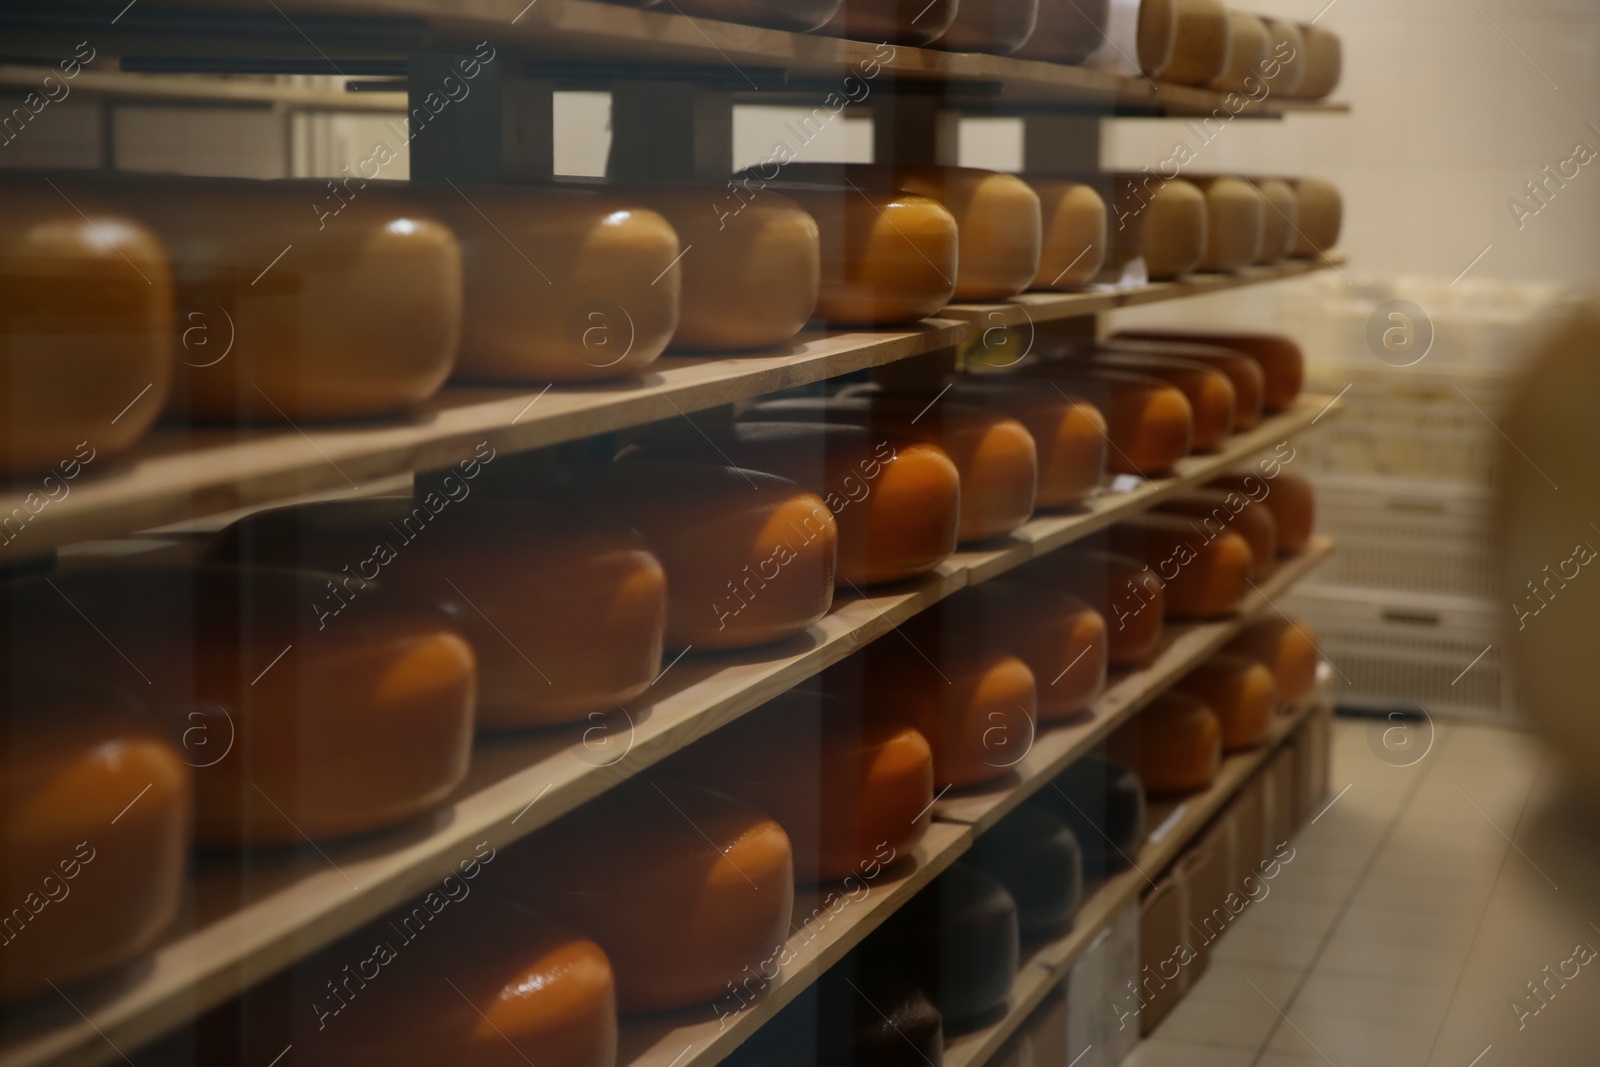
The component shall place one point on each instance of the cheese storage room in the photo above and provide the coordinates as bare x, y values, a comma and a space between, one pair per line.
799, 533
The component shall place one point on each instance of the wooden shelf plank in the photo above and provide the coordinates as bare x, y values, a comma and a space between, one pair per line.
205, 89
1185, 647
1049, 964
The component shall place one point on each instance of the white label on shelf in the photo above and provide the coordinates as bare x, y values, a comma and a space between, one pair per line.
1120, 51
1126, 483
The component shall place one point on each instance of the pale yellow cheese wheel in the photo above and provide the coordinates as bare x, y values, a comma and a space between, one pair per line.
1236, 221
1286, 67
1282, 219
1321, 217
750, 276
1324, 62
998, 26
1251, 46
1163, 221
1157, 33
912, 22
561, 284
1202, 43
1067, 31
1076, 233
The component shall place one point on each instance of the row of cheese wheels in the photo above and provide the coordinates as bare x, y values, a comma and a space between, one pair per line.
249, 300
1191, 42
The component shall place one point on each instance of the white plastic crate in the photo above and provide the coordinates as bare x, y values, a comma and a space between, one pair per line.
1411, 537
1392, 649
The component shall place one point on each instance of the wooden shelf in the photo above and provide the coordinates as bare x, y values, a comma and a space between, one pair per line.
1184, 648
1178, 823
205, 89
249, 922
1050, 307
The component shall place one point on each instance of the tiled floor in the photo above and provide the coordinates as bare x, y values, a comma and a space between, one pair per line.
1409, 922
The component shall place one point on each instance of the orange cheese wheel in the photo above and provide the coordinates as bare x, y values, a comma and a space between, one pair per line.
887, 257
1150, 423
1321, 217
1249, 382
1283, 218
1241, 692
1323, 61
1285, 70
1067, 32
1214, 510
304, 732
96, 815
1125, 592
1160, 220
566, 618
749, 557
687, 890
1202, 43
1062, 640
997, 26
1288, 648
913, 22
852, 792
995, 455
1250, 48
799, 15
1069, 433
1290, 498
977, 707
751, 277
998, 217
1175, 745
295, 302
1157, 34
86, 329
897, 501
1076, 232
1209, 392
1282, 363
1206, 575
1236, 223
561, 284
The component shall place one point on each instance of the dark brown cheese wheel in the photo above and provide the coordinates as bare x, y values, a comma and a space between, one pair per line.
1251, 46
1242, 692
1290, 498
1160, 220
850, 1018
1206, 576
913, 22
1077, 237
1288, 648
798, 15
1215, 510
1202, 43
1175, 744
1103, 804
1321, 217
997, 26
1209, 392
1236, 222
1249, 381
1149, 422
1283, 218
86, 330
1067, 31
1037, 858
1324, 62
1125, 592
1282, 362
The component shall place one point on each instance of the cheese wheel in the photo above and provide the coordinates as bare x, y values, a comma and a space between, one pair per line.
1206, 575
797, 15
1282, 363
1175, 744
897, 501
751, 276
1242, 692
977, 707
850, 1017
1061, 639
1202, 43
1036, 857
1125, 592
96, 808
749, 557
913, 22
1282, 219
1209, 392
998, 217
1157, 34
1290, 498
887, 257
1288, 648
1324, 62
1103, 804
1245, 374
352, 725
350, 309
851, 792
1150, 424
561, 284
566, 618
995, 455
959, 939
1285, 70
997, 26
1076, 233
1321, 217
687, 890
1160, 220
1235, 223
1067, 32
86, 329
1251, 46
1214, 510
